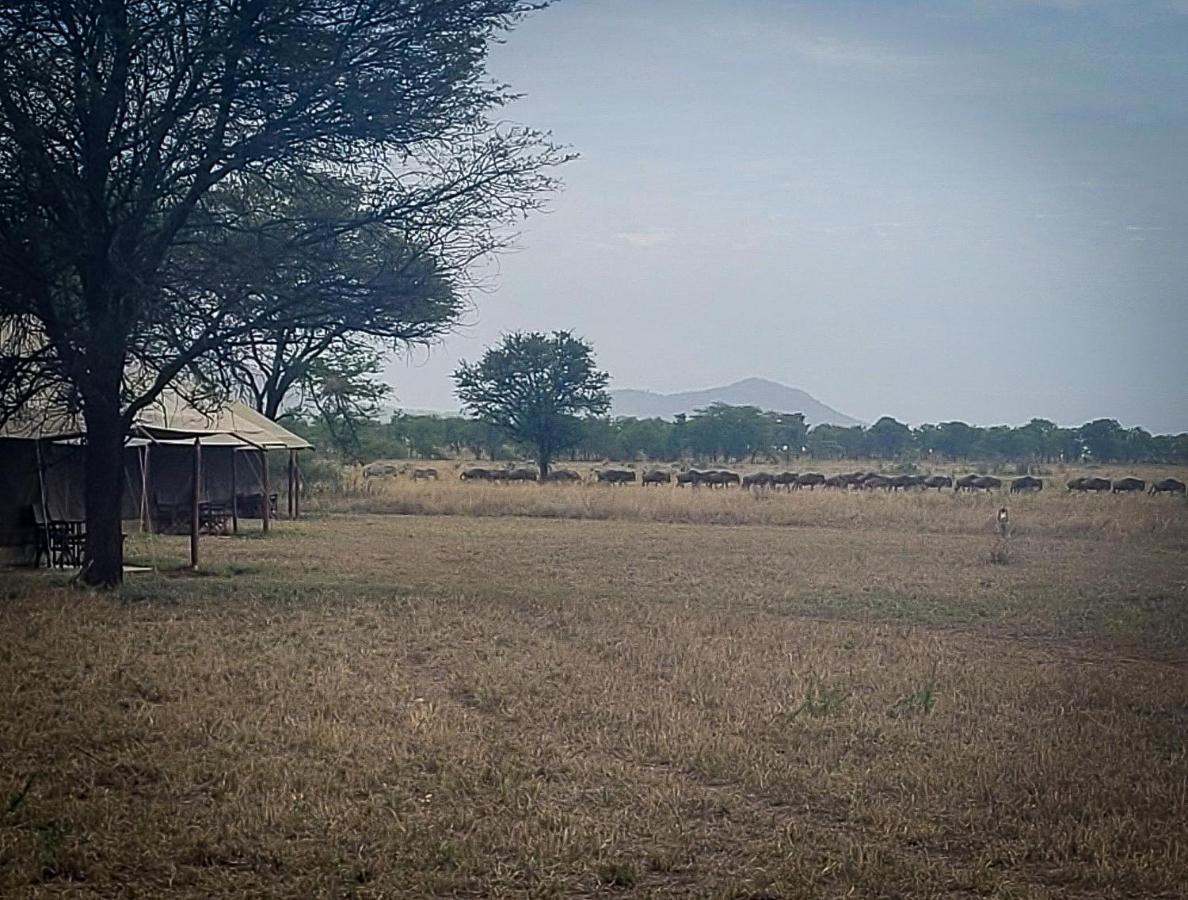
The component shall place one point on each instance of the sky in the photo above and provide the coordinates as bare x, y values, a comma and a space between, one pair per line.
933, 210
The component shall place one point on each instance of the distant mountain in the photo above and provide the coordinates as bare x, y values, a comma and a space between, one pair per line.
748, 392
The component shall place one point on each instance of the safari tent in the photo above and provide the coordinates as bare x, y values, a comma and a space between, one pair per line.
42, 470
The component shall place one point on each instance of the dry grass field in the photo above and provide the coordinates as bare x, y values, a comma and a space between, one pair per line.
821, 695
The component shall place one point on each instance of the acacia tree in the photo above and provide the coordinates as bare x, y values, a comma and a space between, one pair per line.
400, 293
535, 386
130, 132
343, 390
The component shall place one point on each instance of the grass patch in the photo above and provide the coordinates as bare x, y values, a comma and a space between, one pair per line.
458, 706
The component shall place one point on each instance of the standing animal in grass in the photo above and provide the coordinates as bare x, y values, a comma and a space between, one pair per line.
785, 480
1086, 484
904, 482
809, 480
758, 480
380, 470
938, 482
874, 481
836, 481
475, 474
1026, 484
562, 476
1167, 486
656, 476
986, 483
614, 476
720, 478
521, 474
965, 483
690, 477
424, 474
1128, 485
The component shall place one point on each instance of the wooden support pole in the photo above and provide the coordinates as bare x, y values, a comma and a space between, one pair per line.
266, 512
296, 486
292, 474
234, 493
146, 516
195, 498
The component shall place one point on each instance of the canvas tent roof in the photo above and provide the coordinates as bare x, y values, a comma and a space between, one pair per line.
170, 418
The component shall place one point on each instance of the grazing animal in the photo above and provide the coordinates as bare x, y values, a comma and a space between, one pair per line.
380, 470
1025, 484
562, 476
521, 474
965, 483
689, 476
758, 480
938, 481
1167, 486
874, 481
614, 476
424, 474
785, 480
809, 480
475, 474
835, 481
656, 476
1126, 485
720, 478
903, 482
986, 483
1090, 484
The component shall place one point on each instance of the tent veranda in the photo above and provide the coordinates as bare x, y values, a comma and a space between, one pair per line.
42, 470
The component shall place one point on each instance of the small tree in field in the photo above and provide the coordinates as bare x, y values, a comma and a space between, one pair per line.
535, 386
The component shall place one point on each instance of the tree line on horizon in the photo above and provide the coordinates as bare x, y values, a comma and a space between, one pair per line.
722, 433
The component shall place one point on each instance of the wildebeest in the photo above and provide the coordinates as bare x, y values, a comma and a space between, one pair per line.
938, 481
656, 476
986, 483
758, 479
903, 482
521, 474
1089, 484
1167, 486
380, 470
424, 474
1126, 485
475, 474
689, 476
614, 476
809, 480
562, 476
784, 480
720, 478
836, 481
1026, 483
874, 481
965, 483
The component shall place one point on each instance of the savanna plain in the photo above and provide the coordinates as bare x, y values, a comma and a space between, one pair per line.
457, 690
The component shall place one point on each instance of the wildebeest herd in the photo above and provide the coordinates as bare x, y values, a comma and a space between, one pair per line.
793, 481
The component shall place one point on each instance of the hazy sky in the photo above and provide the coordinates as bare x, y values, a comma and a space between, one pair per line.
932, 210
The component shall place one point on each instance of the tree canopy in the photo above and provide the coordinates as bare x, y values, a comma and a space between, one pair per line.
150, 154
535, 387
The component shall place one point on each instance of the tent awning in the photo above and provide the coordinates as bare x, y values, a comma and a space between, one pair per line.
170, 418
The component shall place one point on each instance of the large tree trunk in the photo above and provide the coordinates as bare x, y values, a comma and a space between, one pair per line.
104, 556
